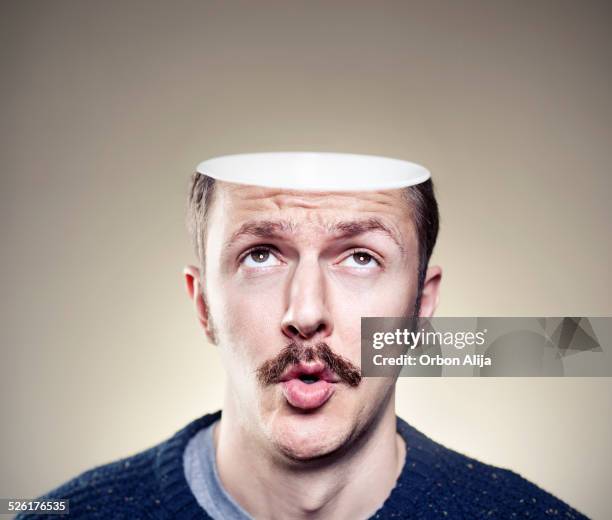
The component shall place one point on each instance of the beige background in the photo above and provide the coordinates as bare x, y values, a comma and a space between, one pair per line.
108, 106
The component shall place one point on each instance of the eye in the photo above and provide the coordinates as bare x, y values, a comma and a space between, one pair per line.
361, 260
260, 257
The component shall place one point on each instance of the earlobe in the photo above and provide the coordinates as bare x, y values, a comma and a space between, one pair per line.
431, 292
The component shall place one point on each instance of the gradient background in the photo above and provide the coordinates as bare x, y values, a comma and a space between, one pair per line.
108, 106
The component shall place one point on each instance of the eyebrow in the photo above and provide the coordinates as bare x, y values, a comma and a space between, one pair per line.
270, 229
262, 229
352, 228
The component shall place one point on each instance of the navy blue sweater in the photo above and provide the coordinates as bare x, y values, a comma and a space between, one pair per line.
436, 482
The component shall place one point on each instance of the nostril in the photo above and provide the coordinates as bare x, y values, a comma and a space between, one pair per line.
293, 330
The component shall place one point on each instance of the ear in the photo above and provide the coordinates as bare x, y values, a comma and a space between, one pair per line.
430, 294
195, 293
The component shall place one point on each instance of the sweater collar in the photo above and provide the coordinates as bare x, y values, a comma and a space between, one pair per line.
417, 480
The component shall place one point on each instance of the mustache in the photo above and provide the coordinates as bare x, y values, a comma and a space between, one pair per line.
271, 371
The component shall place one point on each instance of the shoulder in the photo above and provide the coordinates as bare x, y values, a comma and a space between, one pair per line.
473, 489
121, 489
501, 492
149, 484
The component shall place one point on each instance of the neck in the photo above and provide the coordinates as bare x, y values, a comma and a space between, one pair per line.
351, 484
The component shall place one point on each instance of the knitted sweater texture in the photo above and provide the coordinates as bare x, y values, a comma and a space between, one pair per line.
436, 482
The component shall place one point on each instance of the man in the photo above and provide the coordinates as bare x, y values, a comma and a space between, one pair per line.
293, 250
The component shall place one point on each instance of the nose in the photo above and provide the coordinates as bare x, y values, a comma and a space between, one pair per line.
307, 316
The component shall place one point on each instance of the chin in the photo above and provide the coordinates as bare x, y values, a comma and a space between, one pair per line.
306, 436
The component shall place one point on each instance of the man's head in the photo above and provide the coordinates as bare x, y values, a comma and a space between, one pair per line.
284, 278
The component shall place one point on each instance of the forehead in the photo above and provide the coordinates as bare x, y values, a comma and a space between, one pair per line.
307, 212
240, 203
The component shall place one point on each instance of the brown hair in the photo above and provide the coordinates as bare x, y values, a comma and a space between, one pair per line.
420, 197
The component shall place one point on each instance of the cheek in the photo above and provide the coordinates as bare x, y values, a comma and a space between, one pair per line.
390, 293
395, 297
375, 391
251, 319
391, 296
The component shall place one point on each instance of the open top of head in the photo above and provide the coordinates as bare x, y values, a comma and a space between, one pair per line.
315, 171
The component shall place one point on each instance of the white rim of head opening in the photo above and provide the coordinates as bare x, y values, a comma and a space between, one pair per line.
315, 171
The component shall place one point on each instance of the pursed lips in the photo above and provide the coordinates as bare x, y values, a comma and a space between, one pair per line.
310, 371
308, 386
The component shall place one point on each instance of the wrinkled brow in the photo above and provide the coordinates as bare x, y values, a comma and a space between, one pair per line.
352, 228
270, 229
262, 229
